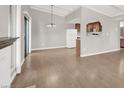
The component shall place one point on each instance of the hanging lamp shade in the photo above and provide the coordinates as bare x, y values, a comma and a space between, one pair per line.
52, 24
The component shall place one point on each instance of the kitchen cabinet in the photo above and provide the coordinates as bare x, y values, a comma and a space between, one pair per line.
77, 26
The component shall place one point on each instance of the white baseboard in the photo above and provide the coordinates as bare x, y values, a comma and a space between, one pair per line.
48, 48
14, 75
91, 54
12, 78
19, 68
22, 62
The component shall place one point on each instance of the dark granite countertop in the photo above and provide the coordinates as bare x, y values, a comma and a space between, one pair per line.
7, 41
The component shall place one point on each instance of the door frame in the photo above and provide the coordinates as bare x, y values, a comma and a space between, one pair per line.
27, 15
18, 41
19, 59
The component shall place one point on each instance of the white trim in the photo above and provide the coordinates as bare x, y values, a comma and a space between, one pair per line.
18, 42
13, 28
22, 62
27, 15
12, 78
14, 75
91, 54
48, 48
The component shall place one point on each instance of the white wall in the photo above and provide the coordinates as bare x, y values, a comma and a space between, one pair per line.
108, 41
42, 37
4, 20
70, 24
74, 15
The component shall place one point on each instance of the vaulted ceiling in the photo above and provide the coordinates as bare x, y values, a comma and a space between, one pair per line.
114, 11
61, 10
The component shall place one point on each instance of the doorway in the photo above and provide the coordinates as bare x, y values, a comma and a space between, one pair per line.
73, 36
26, 37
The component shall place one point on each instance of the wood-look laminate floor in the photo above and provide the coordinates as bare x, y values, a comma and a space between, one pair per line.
61, 68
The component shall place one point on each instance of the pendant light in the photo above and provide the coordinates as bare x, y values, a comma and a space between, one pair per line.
52, 24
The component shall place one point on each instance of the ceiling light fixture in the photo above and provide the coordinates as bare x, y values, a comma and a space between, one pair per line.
52, 24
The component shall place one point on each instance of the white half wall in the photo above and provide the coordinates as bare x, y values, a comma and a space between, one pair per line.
108, 41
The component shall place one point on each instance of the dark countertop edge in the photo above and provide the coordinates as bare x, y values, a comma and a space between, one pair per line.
7, 41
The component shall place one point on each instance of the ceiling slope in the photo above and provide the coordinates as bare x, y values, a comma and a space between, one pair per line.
114, 11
